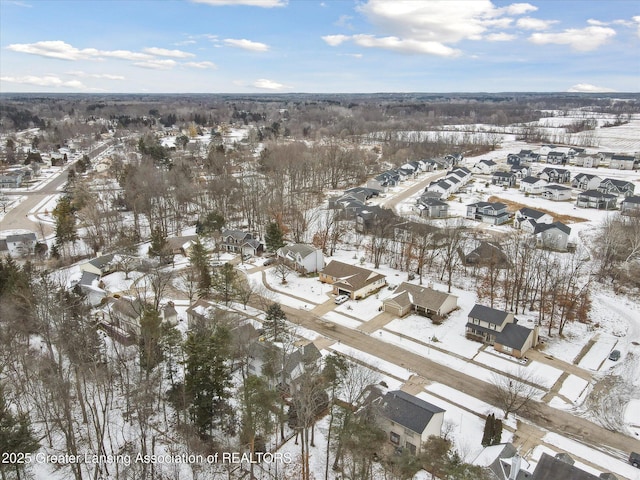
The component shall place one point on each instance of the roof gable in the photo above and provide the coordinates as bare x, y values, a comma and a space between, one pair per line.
409, 411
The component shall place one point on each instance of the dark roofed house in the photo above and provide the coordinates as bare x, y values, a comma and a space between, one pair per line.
527, 218
557, 193
554, 236
408, 420
500, 329
237, 241
429, 207
487, 254
302, 258
622, 162
19, 244
356, 282
617, 187
557, 158
557, 175
494, 213
100, 265
503, 179
426, 301
585, 181
532, 184
596, 199
555, 468
630, 205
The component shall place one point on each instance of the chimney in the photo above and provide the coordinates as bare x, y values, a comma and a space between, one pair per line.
515, 467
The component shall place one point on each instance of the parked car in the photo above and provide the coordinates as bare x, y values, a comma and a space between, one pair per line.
246, 256
615, 355
340, 299
217, 263
269, 261
634, 459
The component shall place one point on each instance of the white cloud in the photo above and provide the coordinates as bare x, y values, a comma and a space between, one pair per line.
354, 55
246, 44
599, 23
582, 40
440, 20
500, 37
519, 8
250, 3
201, 65
157, 64
163, 52
344, 21
46, 81
335, 40
588, 88
529, 23
79, 73
268, 84
637, 20
63, 51
405, 45
21, 4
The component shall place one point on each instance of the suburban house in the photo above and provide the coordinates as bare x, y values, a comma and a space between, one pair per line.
485, 166
428, 207
182, 245
503, 179
369, 217
525, 216
622, 162
554, 236
453, 159
557, 175
521, 171
586, 181
356, 282
409, 298
500, 329
605, 156
562, 466
630, 205
19, 244
384, 181
123, 313
596, 199
494, 213
487, 254
532, 185
557, 158
302, 258
586, 160
528, 156
442, 186
617, 187
237, 241
408, 420
504, 462
558, 193
11, 180
100, 266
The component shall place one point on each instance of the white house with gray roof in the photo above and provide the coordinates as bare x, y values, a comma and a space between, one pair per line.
500, 329
532, 185
301, 257
408, 420
18, 245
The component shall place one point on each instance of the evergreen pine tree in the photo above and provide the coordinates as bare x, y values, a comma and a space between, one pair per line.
159, 246
275, 323
199, 258
16, 436
496, 437
274, 237
487, 436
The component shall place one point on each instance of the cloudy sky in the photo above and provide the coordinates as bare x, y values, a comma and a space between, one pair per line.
248, 46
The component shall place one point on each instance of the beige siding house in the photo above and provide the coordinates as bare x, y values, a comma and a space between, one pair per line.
356, 282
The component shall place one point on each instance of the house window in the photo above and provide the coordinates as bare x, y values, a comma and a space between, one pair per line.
411, 447
506, 349
394, 438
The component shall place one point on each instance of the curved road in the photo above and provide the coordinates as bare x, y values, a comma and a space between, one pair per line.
18, 217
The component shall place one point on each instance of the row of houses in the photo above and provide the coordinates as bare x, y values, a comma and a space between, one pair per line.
394, 176
577, 156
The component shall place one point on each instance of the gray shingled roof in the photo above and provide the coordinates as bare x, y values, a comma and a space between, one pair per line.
408, 411
543, 227
531, 213
487, 314
551, 468
513, 335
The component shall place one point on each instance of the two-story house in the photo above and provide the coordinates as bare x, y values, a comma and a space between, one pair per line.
622, 162
485, 167
532, 185
527, 219
557, 193
586, 181
503, 179
408, 420
557, 158
596, 199
494, 213
630, 205
617, 187
555, 175
554, 236
428, 207
237, 241
302, 258
500, 329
